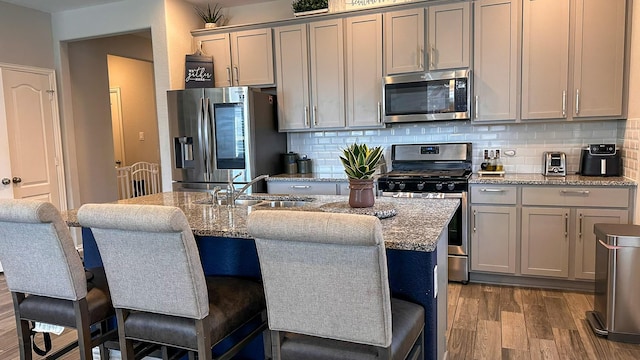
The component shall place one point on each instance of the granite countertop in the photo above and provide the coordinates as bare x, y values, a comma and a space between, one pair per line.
417, 225
539, 179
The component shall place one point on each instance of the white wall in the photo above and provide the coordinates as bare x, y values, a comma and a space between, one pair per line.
170, 23
25, 36
632, 125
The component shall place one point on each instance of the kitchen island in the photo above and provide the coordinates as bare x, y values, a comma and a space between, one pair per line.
415, 238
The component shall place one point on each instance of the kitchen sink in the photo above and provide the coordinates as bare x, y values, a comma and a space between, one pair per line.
241, 202
283, 203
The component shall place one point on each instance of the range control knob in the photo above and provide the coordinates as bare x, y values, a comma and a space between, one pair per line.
401, 186
451, 186
439, 186
391, 185
420, 186
555, 170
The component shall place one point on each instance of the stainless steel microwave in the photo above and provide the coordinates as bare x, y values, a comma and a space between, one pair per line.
436, 95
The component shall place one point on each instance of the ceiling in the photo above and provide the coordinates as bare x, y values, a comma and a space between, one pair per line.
52, 6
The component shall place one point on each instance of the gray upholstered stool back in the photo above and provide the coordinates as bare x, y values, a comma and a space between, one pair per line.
324, 274
37, 252
150, 258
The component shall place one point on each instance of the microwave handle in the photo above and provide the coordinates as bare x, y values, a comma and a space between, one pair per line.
379, 112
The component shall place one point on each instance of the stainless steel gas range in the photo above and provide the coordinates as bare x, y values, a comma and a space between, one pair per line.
435, 171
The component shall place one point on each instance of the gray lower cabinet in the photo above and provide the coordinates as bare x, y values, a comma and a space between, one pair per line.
545, 242
557, 237
585, 249
493, 228
541, 231
302, 187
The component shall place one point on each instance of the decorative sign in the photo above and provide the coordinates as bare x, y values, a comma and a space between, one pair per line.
198, 72
361, 4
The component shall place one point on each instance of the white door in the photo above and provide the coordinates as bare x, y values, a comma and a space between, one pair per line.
30, 135
116, 125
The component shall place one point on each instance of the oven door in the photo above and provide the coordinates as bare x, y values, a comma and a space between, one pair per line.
458, 232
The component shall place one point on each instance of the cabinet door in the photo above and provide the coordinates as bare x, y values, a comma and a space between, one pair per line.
218, 46
545, 59
293, 77
493, 239
496, 59
364, 71
545, 242
449, 36
585, 253
326, 44
404, 41
252, 57
599, 58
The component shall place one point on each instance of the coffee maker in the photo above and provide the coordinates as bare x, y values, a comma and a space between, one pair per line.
600, 160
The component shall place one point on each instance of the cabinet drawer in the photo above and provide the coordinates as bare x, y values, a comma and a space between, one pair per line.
575, 196
302, 187
493, 194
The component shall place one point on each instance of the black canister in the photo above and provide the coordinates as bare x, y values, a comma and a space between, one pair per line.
290, 161
304, 165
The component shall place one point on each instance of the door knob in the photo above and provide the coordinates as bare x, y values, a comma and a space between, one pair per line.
17, 180
6, 181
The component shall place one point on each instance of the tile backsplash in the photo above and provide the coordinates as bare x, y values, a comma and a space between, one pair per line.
528, 141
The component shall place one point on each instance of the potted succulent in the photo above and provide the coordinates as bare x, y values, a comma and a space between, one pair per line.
210, 16
360, 163
309, 7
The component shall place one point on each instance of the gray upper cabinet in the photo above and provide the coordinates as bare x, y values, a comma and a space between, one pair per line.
404, 46
293, 77
496, 59
449, 35
545, 59
599, 58
364, 71
240, 58
584, 82
310, 68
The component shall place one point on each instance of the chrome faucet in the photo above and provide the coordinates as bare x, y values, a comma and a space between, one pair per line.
214, 195
231, 197
248, 185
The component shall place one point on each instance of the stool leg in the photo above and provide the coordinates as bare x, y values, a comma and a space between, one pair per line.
22, 328
81, 309
126, 346
104, 352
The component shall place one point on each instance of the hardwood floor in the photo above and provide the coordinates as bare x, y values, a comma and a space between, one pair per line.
484, 322
503, 322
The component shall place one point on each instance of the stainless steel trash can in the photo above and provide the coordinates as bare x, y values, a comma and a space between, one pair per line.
616, 313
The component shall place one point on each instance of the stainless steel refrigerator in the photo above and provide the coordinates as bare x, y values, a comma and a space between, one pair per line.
220, 131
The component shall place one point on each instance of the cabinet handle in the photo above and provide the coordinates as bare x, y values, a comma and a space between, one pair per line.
564, 103
474, 220
580, 192
421, 57
566, 225
476, 107
237, 76
577, 101
580, 228
229, 75
431, 61
315, 115
492, 190
300, 187
379, 112
306, 116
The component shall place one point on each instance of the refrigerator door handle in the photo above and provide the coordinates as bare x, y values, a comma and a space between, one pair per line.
208, 120
201, 138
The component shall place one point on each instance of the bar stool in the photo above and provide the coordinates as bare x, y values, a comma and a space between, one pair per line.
327, 289
158, 287
47, 280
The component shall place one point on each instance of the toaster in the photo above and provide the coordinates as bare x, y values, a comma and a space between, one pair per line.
554, 163
600, 160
